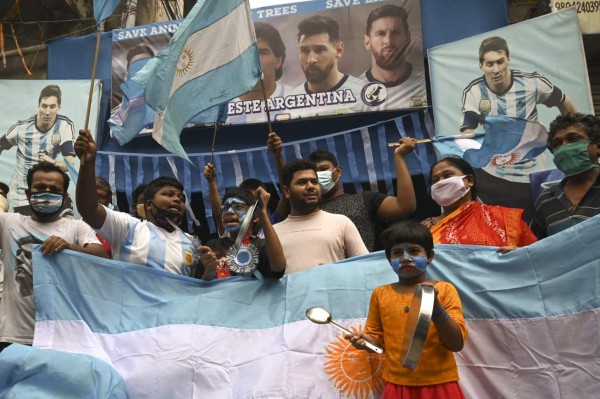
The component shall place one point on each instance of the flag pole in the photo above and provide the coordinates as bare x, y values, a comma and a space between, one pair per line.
91, 93
444, 138
262, 86
212, 148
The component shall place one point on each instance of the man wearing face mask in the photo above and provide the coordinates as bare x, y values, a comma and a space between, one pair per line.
47, 186
574, 140
156, 242
370, 211
221, 259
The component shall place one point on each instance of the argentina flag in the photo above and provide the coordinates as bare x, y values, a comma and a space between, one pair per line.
104, 9
532, 316
211, 59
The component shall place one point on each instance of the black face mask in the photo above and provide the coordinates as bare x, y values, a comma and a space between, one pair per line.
163, 216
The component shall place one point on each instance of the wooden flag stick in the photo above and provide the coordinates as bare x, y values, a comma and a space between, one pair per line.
91, 94
458, 136
262, 86
212, 149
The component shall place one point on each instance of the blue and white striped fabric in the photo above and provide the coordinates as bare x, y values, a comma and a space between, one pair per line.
508, 140
27, 372
104, 9
532, 315
211, 59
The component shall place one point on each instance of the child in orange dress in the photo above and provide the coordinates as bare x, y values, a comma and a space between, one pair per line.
409, 249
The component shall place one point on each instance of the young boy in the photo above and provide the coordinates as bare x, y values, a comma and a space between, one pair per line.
266, 255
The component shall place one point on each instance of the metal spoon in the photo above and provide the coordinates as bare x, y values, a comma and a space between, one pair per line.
322, 316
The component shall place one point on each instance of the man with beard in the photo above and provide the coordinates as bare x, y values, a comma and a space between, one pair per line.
388, 39
320, 50
309, 236
156, 242
47, 186
41, 137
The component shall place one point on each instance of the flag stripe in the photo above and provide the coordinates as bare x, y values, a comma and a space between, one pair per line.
212, 49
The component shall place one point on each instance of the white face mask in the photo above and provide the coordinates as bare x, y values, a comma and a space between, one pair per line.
448, 191
326, 180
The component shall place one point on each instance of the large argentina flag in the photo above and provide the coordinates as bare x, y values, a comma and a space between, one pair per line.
506, 141
211, 59
532, 314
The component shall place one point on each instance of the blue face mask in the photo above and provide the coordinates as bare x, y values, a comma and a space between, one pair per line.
46, 202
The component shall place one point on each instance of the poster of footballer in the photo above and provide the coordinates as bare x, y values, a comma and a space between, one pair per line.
40, 121
319, 58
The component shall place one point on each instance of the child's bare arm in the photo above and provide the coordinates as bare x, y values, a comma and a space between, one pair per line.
448, 330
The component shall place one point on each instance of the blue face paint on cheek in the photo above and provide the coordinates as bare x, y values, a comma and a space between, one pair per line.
241, 217
420, 263
395, 262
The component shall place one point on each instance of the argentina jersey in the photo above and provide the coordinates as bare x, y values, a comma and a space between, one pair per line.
31, 144
144, 243
519, 101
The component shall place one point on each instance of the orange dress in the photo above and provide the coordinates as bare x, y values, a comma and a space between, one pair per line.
386, 322
475, 223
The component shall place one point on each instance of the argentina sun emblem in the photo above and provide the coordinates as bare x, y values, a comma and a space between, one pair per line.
185, 62
353, 372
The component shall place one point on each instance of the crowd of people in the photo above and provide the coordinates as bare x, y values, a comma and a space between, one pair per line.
315, 223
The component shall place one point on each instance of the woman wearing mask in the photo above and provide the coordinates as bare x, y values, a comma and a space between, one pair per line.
466, 221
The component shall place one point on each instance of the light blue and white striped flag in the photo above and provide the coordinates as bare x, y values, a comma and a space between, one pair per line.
532, 314
211, 59
104, 9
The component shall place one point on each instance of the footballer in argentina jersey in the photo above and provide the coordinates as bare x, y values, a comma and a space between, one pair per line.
145, 243
520, 100
31, 145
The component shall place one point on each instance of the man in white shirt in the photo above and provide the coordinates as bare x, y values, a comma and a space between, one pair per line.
47, 186
310, 236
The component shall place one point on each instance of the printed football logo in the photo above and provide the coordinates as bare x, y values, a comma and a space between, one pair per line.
354, 372
55, 139
374, 94
485, 106
185, 62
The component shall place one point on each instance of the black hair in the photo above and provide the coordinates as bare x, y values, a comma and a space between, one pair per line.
322, 155
4, 187
287, 173
49, 91
137, 191
155, 185
252, 184
587, 122
137, 50
47, 167
318, 24
388, 10
103, 184
243, 194
269, 33
494, 43
409, 231
461, 165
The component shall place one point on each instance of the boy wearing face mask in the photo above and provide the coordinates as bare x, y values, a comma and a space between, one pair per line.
574, 140
156, 242
46, 189
221, 259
